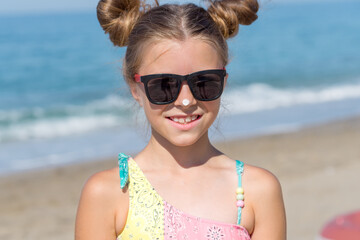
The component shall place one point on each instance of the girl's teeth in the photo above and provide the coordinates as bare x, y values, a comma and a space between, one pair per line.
184, 120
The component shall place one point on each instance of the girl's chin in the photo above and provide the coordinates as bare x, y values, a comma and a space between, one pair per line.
187, 140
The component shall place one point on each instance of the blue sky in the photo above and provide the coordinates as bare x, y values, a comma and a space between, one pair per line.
36, 6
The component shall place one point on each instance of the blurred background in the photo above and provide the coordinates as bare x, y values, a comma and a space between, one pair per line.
61, 83
63, 99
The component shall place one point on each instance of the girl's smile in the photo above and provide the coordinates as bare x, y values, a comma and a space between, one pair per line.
184, 119
184, 122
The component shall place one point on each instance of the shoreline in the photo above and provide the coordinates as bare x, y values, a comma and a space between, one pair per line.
317, 166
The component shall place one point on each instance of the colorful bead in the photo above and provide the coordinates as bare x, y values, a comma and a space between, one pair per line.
240, 190
240, 196
240, 203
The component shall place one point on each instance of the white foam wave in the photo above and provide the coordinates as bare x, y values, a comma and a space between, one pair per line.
63, 121
58, 127
258, 97
110, 104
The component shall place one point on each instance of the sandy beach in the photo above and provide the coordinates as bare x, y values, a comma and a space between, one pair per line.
317, 166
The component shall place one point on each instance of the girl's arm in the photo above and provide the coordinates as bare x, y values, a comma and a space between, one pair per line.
96, 216
268, 206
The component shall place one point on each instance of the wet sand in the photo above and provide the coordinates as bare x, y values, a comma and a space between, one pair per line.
318, 168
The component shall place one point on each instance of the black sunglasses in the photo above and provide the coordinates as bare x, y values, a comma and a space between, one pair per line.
162, 89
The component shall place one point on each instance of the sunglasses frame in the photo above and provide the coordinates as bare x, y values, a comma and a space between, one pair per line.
181, 78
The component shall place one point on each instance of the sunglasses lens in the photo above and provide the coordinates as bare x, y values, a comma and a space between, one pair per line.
206, 87
163, 90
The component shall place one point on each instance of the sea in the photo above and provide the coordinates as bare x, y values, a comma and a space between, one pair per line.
63, 98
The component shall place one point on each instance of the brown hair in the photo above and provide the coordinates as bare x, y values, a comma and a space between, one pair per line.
135, 24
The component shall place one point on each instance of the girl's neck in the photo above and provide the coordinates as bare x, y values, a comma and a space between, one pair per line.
164, 153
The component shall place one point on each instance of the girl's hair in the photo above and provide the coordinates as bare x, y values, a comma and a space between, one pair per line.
135, 24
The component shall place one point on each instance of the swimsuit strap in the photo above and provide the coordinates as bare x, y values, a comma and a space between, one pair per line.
239, 190
123, 169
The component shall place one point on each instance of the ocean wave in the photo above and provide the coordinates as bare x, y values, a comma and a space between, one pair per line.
58, 127
24, 124
260, 97
110, 104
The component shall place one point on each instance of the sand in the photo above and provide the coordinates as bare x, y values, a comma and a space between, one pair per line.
318, 167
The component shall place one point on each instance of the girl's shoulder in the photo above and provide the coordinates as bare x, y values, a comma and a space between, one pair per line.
104, 184
103, 189
102, 201
261, 182
264, 195
257, 174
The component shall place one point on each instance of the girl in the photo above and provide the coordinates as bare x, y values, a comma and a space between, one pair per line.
179, 186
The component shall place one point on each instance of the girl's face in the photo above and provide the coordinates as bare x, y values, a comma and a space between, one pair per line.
176, 123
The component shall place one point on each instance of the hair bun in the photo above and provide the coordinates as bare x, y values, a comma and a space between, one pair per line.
228, 14
118, 17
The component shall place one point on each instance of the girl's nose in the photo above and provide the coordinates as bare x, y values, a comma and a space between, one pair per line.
185, 98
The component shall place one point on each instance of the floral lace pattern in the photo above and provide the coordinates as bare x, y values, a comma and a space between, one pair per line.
179, 225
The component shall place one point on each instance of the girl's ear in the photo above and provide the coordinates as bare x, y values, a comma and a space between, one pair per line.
135, 92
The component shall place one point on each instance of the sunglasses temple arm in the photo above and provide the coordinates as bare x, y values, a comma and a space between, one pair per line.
137, 78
